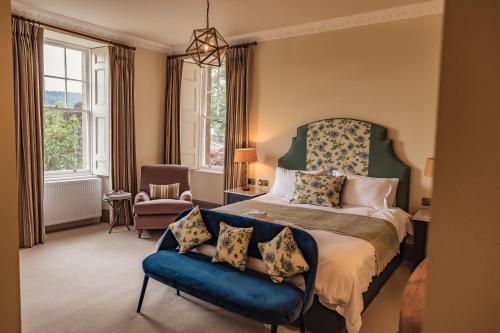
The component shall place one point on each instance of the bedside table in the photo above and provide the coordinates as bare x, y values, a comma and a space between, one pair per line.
420, 221
235, 195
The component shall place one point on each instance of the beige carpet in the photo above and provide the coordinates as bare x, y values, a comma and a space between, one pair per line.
86, 280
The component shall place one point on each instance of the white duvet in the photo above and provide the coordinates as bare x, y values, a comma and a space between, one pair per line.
346, 265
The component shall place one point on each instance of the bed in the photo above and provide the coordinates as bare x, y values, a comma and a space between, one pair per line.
347, 281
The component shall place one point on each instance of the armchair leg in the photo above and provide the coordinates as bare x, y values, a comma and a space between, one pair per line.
143, 291
139, 233
302, 325
274, 328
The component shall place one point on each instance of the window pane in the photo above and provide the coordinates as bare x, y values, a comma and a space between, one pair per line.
63, 140
54, 92
53, 60
75, 95
213, 138
74, 64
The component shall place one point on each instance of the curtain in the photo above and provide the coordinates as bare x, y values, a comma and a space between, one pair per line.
123, 159
27, 44
237, 81
171, 124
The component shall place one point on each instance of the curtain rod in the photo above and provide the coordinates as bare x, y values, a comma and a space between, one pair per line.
184, 55
46, 25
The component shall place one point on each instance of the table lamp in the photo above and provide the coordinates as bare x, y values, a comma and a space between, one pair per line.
245, 155
429, 167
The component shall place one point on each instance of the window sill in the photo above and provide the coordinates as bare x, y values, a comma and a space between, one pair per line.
61, 178
213, 171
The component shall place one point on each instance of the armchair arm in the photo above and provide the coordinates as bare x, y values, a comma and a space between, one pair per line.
186, 195
142, 196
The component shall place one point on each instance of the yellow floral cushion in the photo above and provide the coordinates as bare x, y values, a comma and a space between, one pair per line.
282, 256
232, 246
318, 190
190, 231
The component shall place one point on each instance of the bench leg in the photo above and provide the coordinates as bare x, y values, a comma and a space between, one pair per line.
143, 291
274, 328
302, 325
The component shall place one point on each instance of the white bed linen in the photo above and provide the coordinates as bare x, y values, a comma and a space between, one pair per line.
346, 265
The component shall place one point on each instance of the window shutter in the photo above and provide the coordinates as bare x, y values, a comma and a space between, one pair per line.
190, 114
100, 111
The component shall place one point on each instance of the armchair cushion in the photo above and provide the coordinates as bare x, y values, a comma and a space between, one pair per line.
161, 206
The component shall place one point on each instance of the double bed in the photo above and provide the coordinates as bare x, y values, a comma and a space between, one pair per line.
348, 276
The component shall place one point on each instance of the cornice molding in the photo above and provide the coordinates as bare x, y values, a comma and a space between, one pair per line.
66, 22
339, 23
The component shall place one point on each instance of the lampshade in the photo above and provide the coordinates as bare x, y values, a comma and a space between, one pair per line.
429, 167
243, 155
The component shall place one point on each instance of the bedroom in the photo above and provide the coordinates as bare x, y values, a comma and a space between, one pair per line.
386, 64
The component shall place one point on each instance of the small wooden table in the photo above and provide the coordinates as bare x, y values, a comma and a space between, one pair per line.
420, 221
235, 195
118, 201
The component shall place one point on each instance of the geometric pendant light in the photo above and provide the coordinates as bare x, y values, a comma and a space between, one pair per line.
206, 46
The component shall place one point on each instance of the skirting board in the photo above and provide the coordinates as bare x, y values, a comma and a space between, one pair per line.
73, 224
204, 204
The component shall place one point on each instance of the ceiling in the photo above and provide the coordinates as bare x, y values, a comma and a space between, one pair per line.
170, 22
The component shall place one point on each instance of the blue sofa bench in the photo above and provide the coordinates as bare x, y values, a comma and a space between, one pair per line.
250, 294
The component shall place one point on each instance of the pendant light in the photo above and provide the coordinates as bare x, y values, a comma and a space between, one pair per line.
207, 47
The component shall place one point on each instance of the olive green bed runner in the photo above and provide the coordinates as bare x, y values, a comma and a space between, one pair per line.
378, 232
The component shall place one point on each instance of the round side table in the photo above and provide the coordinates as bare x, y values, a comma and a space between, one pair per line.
118, 202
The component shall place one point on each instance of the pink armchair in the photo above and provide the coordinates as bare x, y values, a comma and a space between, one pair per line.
158, 214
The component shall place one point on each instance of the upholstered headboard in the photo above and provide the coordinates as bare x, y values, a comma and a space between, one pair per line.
351, 145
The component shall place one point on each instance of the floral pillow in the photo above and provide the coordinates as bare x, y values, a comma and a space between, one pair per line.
190, 231
318, 190
282, 256
232, 246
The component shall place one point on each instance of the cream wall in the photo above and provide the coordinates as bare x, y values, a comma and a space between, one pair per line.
463, 290
384, 73
10, 316
149, 100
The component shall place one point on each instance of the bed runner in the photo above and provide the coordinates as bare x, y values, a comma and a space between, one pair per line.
378, 232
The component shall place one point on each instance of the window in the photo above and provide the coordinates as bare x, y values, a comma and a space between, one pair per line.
67, 116
213, 117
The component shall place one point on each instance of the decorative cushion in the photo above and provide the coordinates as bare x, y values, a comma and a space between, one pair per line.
282, 256
190, 231
232, 245
318, 190
284, 181
170, 191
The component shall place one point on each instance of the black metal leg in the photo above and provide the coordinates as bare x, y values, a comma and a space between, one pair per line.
274, 328
178, 292
302, 325
143, 291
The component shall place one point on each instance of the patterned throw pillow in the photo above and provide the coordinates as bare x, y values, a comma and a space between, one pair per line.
170, 191
232, 246
318, 190
190, 231
282, 256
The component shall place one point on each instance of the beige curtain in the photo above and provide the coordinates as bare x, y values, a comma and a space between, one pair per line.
123, 160
237, 81
27, 42
171, 124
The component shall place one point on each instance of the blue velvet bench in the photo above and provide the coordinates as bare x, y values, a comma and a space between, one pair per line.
250, 294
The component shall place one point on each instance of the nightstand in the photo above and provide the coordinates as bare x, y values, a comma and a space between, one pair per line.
235, 195
420, 221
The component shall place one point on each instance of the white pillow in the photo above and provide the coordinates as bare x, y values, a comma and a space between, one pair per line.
368, 191
284, 181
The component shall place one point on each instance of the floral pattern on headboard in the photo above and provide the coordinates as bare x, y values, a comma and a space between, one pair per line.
343, 144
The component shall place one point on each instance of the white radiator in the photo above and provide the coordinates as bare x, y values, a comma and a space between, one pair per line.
72, 200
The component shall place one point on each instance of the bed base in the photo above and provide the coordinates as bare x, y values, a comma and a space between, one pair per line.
320, 319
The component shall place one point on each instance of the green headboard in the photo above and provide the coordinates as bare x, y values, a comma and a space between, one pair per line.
351, 145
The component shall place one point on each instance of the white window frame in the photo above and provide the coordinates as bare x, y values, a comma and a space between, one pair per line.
203, 105
87, 111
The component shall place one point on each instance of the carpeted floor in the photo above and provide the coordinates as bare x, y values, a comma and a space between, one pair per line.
86, 280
